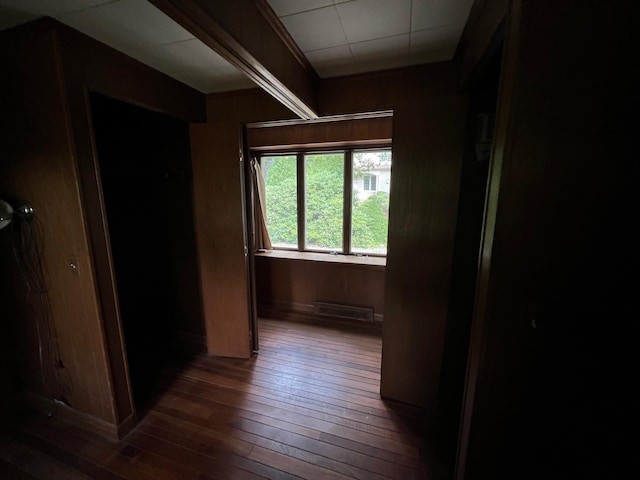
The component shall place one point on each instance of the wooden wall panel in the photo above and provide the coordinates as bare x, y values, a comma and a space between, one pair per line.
39, 164
245, 106
10, 332
297, 284
384, 90
553, 340
428, 149
357, 131
218, 199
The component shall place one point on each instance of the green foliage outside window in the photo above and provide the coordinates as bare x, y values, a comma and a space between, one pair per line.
369, 223
282, 203
324, 183
324, 197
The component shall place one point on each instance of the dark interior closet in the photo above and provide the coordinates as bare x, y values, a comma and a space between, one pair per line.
145, 171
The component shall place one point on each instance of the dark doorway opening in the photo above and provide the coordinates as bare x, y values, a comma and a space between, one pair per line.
483, 97
145, 173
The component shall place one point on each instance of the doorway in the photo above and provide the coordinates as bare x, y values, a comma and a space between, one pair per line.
145, 174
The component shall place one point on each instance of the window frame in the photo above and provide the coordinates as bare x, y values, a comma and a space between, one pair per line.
347, 220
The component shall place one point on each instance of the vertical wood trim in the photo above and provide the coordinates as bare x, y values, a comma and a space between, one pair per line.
114, 335
250, 225
221, 237
302, 218
482, 36
348, 190
505, 113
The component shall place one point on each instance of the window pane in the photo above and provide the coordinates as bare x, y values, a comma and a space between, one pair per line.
281, 188
324, 199
370, 208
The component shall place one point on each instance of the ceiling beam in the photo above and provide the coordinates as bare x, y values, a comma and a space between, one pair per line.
249, 36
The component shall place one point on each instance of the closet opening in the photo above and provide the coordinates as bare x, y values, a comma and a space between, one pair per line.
145, 173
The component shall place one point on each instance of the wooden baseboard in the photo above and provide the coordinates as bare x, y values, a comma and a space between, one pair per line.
83, 420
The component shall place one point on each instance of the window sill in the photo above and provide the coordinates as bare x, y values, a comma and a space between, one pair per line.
324, 257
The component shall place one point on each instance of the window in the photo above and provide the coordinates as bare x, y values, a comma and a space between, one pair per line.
370, 210
311, 206
280, 178
369, 182
324, 201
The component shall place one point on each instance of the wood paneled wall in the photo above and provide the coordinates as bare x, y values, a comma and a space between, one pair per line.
294, 285
52, 163
10, 330
385, 90
554, 333
364, 131
428, 135
38, 164
245, 106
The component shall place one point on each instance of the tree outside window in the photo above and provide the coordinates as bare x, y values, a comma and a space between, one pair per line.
325, 188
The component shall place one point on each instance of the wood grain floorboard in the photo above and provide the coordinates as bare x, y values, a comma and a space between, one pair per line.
306, 406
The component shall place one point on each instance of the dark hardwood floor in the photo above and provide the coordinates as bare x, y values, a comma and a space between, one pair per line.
307, 406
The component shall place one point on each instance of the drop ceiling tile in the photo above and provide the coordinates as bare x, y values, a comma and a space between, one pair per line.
370, 19
52, 7
180, 56
316, 29
382, 53
333, 62
289, 7
427, 14
126, 25
434, 45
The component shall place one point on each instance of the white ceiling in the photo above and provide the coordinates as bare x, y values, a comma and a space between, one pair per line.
343, 37
339, 37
